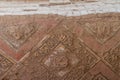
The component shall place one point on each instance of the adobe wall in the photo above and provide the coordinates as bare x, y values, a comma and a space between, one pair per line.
75, 41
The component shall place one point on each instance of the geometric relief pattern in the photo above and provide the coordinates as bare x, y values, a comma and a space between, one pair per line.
99, 76
62, 55
113, 58
66, 55
103, 30
16, 35
5, 65
48, 45
60, 61
100, 72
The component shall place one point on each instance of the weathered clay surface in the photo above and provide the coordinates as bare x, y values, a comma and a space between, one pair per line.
55, 47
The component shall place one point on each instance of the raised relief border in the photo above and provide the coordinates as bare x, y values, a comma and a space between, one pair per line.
113, 58
5, 64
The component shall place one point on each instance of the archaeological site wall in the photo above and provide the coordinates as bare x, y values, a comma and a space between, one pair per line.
74, 41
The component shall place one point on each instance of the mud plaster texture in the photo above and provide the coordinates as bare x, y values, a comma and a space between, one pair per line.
54, 47
57, 40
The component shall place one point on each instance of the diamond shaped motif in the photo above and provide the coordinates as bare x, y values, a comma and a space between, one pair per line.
61, 60
17, 35
66, 55
103, 30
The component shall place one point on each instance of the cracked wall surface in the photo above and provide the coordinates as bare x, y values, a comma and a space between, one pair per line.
72, 40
